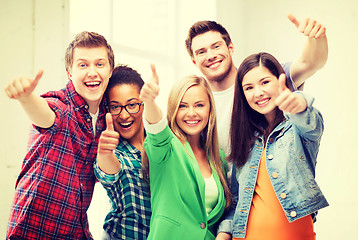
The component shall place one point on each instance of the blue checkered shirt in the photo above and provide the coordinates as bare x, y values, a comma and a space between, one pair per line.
129, 216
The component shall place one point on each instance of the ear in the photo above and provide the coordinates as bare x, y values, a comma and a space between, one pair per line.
231, 48
69, 75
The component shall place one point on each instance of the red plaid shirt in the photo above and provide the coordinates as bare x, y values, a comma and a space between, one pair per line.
55, 186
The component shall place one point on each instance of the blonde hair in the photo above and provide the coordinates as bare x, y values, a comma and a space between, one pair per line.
209, 133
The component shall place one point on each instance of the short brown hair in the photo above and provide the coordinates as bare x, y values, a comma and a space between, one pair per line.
88, 40
202, 27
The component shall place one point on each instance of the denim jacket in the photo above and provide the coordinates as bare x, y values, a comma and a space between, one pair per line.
291, 156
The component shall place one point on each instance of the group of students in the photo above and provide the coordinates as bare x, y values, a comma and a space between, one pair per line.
235, 149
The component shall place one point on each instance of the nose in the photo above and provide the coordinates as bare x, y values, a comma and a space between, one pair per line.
258, 92
211, 54
92, 71
124, 114
191, 111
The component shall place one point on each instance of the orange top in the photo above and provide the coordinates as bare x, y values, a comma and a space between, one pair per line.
267, 220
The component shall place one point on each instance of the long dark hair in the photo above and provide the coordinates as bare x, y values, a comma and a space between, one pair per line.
246, 123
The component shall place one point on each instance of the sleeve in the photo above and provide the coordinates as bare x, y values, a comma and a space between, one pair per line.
104, 178
287, 68
309, 123
226, 220
156, 127
61, 111
158, 141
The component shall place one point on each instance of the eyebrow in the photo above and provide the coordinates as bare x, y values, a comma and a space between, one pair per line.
259, 81
218, 42
98, 59
194, 102
131, 99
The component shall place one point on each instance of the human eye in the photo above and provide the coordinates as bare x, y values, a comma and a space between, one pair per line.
182, 105
200, 105
114, 107
100, 64
132, 106
200, 52
247, 88
265, 82
82, 65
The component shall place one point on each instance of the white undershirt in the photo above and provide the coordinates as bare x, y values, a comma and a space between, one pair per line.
211, 194
94, 121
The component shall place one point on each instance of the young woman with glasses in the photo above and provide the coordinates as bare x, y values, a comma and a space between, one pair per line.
119, 158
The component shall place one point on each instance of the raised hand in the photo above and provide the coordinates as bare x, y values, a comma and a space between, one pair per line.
150, 90
288, 101
309, 27
108, 140
148, 94
21, 87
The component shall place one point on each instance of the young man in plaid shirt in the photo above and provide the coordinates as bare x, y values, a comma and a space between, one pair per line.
55, 185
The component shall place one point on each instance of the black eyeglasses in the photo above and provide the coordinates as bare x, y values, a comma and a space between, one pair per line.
130, 108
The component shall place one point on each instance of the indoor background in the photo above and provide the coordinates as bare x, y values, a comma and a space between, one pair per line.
35, 34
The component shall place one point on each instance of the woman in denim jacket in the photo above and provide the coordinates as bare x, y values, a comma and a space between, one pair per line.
276, 134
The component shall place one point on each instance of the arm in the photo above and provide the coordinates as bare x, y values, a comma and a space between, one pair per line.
225, 227
315, 52
35, 107
108, 141
149, 92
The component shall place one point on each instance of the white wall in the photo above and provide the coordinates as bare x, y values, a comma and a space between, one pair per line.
259, 25
35, 34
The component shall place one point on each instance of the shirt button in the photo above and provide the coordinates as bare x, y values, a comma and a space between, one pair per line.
283, 195
275, 175
81, 184
272, 140
293, 214
202, 225
88, 120
86, 106
270, 157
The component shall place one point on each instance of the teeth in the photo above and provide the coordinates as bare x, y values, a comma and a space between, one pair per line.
92, 83
126, 124
262, 102
214, 65
192, 122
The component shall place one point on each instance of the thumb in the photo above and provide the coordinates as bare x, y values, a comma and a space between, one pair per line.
293, 19
109, 122
282, 82
155, 77
38, 77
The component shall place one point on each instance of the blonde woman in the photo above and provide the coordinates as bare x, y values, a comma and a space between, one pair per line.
189, 192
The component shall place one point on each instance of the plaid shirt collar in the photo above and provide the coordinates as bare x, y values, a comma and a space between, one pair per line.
78, 101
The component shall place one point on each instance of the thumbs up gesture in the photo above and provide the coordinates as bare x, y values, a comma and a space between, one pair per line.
288, 101
150, 90
22, 87
309, 27
148, 94
108, 140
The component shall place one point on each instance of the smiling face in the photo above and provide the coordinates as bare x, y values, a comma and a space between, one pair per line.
194, 111
212, 56
90, 73
261, 88
129, 125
